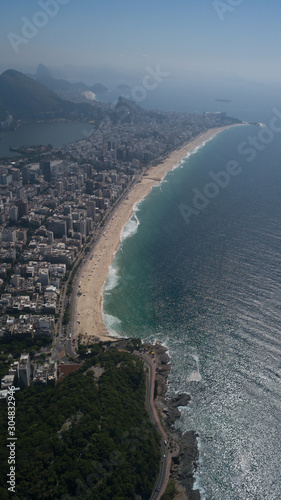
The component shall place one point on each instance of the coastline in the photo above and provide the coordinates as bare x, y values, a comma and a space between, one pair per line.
179, 450
183, 447
93, 274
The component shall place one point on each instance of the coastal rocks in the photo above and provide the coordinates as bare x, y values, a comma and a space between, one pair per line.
183, 447
172, 411
188, 463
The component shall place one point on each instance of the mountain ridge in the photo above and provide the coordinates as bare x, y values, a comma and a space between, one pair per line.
27, 99
44, 76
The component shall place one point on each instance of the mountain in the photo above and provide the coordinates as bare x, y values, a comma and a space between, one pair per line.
28, 99
98, 88
23, 97
128, 111
43, 71
64, 88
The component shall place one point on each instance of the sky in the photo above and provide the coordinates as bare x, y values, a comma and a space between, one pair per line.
119, 39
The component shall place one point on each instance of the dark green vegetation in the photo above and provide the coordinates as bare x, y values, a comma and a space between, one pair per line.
66, 316
27, 99
5, 362
16, 344
12, 347
89, 437
170, 490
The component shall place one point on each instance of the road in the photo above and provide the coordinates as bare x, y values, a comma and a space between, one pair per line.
165, 465
98, 233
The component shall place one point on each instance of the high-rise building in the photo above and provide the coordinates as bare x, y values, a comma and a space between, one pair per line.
20, 193
88, 170
44, 277
50, 237
89, 224
22, 235
45, 167
24, 370
81, 227
69, 222
91, 209
59, 187
58, 227
100, 203
67, 209
89, 186
14, 213
23, 207
25, 175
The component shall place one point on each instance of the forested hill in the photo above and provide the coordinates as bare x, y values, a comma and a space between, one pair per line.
27, 99
89, 436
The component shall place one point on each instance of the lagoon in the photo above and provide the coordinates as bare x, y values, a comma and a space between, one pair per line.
33, 134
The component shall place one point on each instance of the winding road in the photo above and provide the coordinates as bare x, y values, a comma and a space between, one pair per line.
165, 465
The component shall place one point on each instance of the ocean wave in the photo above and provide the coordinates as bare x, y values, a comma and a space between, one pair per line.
132, 225
112, 279
197, 474
156, 338
195, 376
195, 150
181, 163
113, 324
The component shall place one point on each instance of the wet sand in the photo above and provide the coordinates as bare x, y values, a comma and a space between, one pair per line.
88, 306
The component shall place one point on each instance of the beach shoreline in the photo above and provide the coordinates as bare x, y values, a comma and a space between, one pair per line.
88, 314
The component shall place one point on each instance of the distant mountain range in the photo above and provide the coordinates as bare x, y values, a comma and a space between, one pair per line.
28, 99
44, 76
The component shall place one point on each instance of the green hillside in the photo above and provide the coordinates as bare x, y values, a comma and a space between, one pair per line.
28, 99
23, 97
88, 437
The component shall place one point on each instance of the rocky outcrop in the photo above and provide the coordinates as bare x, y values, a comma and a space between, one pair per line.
188, 463
172, 408
183, 447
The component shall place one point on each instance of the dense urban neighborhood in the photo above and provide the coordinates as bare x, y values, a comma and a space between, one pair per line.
53, 204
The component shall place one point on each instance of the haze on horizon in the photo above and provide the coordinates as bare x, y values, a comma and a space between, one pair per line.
233, 42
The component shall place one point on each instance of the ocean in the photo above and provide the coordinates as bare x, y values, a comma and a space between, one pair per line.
199, 270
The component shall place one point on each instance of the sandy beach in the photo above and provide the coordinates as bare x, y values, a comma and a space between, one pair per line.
94, 272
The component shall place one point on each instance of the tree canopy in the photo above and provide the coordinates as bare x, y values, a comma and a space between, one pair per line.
88, 437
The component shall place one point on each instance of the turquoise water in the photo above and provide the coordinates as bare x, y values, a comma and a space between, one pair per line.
34, 134
208, 286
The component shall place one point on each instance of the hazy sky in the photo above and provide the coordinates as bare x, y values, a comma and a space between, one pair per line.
187, 38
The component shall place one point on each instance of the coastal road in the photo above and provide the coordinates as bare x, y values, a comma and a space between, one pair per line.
94, 240
165, 465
